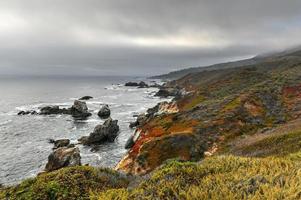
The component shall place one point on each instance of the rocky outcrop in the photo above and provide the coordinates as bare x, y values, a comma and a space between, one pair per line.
106, 132
154, 152
79, 109
85, 98
63, 157
60, 143
169, 92
161, 108
104, 112
141, 119
22, 112
141, 84
53, 110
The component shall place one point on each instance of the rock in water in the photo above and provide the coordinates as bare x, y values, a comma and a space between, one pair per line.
107, 132
142, 85
131, 84
80, 109
85, 98
104, 112
48, 110
61, 143
53, 110
63, 157
129, 143
141, 119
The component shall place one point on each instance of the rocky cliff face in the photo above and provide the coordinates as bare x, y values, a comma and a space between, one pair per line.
218, 107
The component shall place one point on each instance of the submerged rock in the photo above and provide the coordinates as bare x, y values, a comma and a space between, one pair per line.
106, 132
104, 112
85, 98
80, 109
63, 157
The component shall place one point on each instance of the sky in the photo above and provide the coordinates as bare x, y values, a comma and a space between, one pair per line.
139, 37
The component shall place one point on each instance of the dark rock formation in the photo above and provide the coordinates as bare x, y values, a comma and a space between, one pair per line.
104, 112
141, 119
168, 92
80, 109
141, 84
131, 84
85, 98
63, 157
107, 132
61, 143
27, 112
129, 143
53, 110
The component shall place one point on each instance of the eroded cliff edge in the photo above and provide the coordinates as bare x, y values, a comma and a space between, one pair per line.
216, 108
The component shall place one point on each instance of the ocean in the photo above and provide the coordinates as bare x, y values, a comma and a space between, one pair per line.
24, 139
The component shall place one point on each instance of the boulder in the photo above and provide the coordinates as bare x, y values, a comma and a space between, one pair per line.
106, 132
104, 112
63, 157
80, 109
85, 98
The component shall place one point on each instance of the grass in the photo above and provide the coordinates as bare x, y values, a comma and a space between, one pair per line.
68, 184
280, 145
220, 177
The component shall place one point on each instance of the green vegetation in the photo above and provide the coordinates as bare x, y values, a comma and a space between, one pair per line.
278, 145
223, 177
218, 177
68, 183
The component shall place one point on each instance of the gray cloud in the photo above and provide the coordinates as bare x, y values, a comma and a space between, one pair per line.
139, 36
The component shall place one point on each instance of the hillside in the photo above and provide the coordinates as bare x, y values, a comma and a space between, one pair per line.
234, 133
252, 61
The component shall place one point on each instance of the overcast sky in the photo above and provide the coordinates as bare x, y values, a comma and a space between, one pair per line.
136, 37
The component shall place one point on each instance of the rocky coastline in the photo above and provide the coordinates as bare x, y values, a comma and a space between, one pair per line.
233, 132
